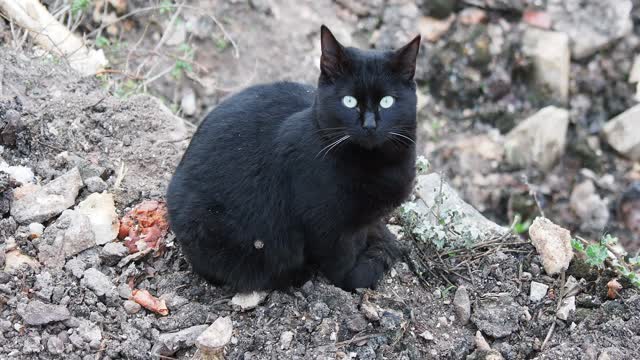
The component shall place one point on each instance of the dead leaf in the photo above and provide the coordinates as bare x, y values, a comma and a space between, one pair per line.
613, 287
150, 302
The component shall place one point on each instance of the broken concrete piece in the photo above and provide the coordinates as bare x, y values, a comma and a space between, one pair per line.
101, 211
462, 305
169, 343
553, 243
101, 285
497, 316
68, 236
538, 291
49, 201
14, 259
212, 341
623, 133
38, 313
539, 140
549, 51
248, 301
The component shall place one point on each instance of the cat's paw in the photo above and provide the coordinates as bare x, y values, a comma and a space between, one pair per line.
365, 274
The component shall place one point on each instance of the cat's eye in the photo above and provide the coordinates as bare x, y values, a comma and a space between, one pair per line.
349, 101
386, 102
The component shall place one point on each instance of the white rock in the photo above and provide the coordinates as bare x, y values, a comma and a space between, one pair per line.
634, 74
551, 57
370, 311
538, 291
623, 133
22, 174
172, 342
188, 102
248, 301
538, 140
427, 335
216, 337
35, 230
432, 189
48, 201
66, 237
566, 308
593, 24
553, 243
285, 340
14, 259
462, 305
101, 211
592, 210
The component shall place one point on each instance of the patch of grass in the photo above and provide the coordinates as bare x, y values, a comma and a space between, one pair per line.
166, 6
79, 6
183, 64
102, 42
598, 253
521, 227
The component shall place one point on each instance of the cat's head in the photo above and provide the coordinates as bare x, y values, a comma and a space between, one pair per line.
367, 95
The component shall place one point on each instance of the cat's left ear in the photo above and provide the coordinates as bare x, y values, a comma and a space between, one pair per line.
403, 60
333, 61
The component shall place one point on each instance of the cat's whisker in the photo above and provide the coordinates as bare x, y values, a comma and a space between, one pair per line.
402, 136
329, 147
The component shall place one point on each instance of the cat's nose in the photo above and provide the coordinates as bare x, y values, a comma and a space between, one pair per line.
369, 122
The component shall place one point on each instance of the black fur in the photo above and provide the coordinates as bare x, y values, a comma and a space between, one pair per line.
261, 199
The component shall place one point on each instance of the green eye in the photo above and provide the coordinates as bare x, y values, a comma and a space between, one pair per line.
386, 102
349, 101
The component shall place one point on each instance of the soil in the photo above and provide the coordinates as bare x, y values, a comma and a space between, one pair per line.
134, 142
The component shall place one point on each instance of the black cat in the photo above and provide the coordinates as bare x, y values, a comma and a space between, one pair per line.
284, 178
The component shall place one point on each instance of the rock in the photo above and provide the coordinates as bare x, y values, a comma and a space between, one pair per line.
540, 19
572, 287
14, 259
76, 267
248, 301
466, 220
35, 230
285, 340
99, 283
549, 51
462, 305
38, 313
370, 311
629, 208
170, 343
21, 174
10, 127
583, 22
357, 323
95, 184
497, 316
188, 102
66, 237
55, 345
553, 243
539, 140
24, 190
623, 133
177, 33
391, 319
101, 211
427, 335
43, 285
113, 252
89, 332
131, 307
213, 340
49, 201
432, 29
538, 291
634, 74
592, 210
566, 308
472, 16
483, 350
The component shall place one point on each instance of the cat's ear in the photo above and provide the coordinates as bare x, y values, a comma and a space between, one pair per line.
333, 61
403, 60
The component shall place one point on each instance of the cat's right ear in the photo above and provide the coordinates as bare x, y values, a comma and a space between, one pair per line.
333, 61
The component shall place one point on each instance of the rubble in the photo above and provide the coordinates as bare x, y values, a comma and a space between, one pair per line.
623, 133
553, 243
551, 57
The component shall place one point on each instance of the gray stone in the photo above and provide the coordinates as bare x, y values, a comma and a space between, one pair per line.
131, 307
68, 236
76, 266
113, 252
215, 337
497, 316
592, 210
553, 243
43, 285
591, 24
285, 340
539, 140
370, 311
124, 291
170, 343
38, 313
549, 51
101, 211
95, 184
55, 345
49, 201
391, 319
567, 307
623, 133
99, 283
538, 291
89, 331
357, 323
462, 305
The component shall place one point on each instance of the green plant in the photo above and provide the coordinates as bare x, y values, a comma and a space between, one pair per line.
598, 253
183, 64
166, 6
221, 44
102, 42
79, 6
521, 227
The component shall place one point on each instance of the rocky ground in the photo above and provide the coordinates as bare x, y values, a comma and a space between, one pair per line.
527, 109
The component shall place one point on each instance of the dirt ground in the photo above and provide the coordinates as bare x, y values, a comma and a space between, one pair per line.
131, 141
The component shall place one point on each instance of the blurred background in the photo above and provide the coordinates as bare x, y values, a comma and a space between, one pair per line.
517, 97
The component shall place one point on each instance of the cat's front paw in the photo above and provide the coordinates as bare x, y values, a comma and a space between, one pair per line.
365, 274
